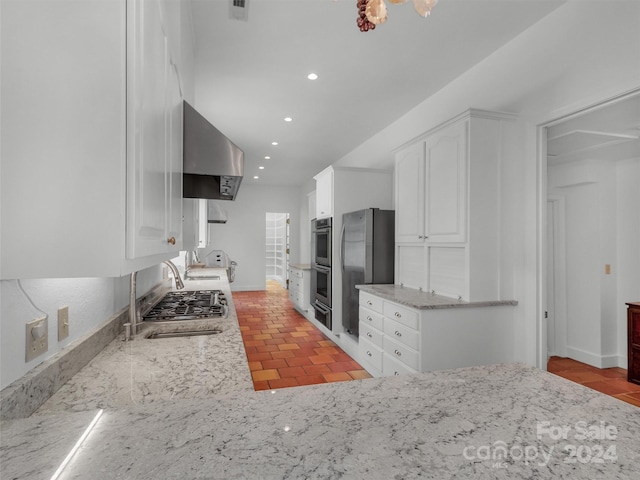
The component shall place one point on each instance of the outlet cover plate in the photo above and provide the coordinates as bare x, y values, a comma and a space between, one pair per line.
37, 334
63, 322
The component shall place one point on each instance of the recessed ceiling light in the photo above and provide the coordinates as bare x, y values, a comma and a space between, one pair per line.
312, 76
274, 143
288, 119
261, 167
256, 177
267, 157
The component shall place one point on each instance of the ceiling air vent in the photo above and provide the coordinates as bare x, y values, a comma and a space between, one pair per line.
239, 9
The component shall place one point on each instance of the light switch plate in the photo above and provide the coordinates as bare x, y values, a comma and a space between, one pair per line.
37, 334
63, 322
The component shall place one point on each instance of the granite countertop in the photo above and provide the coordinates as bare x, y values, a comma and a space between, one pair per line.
490, 422
423, 300
301, 266
143, 371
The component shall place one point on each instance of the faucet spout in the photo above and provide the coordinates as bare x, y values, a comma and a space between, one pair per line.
176, 274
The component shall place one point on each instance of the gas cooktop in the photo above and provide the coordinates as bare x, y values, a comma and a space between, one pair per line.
188, 305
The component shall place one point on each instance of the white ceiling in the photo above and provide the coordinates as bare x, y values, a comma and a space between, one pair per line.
251, 74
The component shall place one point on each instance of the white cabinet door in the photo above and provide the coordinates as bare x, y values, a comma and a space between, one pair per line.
446, 184
174, 158
324, 194
154, 144
410, 194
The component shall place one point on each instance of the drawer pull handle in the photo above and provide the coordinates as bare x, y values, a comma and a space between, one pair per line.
398, 333
369, 335
398, 353
398, 315
368, 353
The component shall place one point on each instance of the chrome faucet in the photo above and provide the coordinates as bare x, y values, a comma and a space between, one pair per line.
133, 310
176, 274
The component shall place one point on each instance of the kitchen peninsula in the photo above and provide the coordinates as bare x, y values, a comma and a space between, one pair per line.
500, 421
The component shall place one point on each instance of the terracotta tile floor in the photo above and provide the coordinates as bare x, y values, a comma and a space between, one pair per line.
283, 348
612, 381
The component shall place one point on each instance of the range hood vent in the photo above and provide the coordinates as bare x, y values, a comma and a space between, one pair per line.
213, 166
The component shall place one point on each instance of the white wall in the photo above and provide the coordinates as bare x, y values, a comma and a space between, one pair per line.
243, 236
601, 212
91, 302
581, 54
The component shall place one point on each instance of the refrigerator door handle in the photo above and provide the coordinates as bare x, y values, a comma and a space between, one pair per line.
341, 251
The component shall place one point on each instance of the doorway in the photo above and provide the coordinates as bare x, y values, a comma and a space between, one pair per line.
590, 162
277, 247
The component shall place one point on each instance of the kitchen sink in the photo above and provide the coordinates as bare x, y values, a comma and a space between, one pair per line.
185, 333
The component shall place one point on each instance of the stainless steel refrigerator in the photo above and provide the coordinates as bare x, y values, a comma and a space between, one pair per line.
366, 257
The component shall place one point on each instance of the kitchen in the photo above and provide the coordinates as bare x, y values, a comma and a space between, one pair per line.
537, 89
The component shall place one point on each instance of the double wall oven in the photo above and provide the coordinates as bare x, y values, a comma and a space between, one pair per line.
321, 271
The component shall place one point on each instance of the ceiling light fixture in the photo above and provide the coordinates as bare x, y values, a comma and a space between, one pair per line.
267, 157
260, 167
256, 177
288, 119
374, 12
312, 76
274, 143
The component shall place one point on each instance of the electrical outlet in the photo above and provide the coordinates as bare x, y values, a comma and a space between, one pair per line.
63, 322
37, 338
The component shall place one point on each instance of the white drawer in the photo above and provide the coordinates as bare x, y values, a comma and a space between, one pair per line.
401, 314
370, 334
391, 366
369, 352
369, 317
371, 301
402, 333
402, 353
296, 272
296, 283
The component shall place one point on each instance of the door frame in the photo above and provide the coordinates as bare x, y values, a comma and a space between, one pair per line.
541, 215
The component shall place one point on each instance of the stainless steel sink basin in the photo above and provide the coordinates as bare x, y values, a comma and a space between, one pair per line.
185, 333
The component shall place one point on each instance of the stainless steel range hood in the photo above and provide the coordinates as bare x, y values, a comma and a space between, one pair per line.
213, 165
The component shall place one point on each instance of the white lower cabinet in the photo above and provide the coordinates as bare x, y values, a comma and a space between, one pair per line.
395, 339
299, 291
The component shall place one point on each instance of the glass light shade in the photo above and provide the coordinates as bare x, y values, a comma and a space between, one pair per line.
423, 7
376, 11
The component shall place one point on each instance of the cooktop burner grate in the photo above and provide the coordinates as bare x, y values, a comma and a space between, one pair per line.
188, 305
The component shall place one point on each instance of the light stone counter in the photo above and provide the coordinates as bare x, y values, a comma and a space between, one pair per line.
423, 300
491, 422
143, 371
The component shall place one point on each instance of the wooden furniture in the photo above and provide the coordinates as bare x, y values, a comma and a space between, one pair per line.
633, 334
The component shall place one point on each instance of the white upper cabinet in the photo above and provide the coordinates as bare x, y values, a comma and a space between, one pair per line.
324, 193
431, 188
91, 138
154, 206
409, 188
445, 185
448, 207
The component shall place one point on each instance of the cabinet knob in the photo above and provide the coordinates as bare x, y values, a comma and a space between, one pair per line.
398, 333
369, 335
396, 373
171, 240
369, 302
369, 318
398, 353
420, 236
368, 353
398, 315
